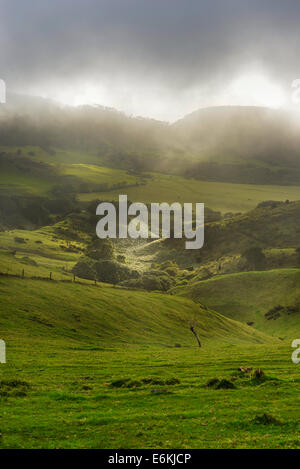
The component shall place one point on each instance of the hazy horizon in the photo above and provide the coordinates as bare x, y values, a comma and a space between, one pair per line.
16, 101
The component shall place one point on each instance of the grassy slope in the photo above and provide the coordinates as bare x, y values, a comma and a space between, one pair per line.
83, 166
104, 315
98, 174
248, 296
39, 246
41, 253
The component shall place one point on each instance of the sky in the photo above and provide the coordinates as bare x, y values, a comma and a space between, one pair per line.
155, 58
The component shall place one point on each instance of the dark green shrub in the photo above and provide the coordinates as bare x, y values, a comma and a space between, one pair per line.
255, 258
113, 272
85, 268
100, 249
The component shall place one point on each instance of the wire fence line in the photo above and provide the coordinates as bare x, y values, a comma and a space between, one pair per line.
49, 278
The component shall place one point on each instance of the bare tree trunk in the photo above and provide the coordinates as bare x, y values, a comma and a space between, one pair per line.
196, 335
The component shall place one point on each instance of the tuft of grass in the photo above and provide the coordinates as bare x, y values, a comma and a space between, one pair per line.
128, 383
225, 384
212, 383
13, 388
267, 419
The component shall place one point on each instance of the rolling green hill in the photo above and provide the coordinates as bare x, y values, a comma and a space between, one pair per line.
105, 316
268, 300
270, 225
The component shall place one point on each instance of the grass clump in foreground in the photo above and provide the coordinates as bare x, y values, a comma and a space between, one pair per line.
267, 419
128, 383
13, 388
217, 383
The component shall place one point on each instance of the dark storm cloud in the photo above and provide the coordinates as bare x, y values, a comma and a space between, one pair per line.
173, 44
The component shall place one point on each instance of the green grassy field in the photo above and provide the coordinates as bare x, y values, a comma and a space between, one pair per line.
223, 197
67, 345
65, 399
40, 253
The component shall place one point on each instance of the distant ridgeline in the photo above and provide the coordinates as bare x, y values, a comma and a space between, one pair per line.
229, 144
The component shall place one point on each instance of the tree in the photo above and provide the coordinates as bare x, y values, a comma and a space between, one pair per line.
100, 249
255, 257
84, 269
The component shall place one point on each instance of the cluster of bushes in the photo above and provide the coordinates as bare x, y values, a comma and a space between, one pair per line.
99, 263
278, 310
109, 271
152, 280
161, 277
168, 267
271, 204
100, 249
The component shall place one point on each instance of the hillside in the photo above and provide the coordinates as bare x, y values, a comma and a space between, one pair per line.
270, 225
103, 316
269, 300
